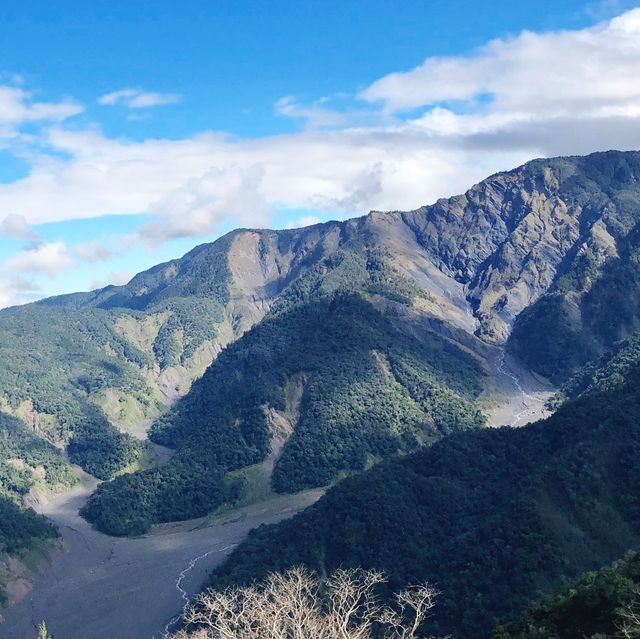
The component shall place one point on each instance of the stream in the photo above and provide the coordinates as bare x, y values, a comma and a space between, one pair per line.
526, 395
104, 587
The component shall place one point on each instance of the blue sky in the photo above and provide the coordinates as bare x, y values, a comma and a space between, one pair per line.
129, 132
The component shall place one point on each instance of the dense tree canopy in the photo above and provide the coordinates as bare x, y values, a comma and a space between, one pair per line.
493, 518
368, 390
604, 604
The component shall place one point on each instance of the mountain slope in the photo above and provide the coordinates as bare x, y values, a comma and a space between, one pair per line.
493, 518
544, 256
365, 390
21, 531
26, 461
602, 605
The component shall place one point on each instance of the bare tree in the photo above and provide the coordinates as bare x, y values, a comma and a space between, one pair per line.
630, 628
299, 605
43, 633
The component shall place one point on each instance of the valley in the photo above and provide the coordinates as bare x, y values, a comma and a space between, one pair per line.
104, 587
101, 585
378, 356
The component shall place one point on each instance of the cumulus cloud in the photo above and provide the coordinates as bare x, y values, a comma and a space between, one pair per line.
198, 206
529, 95
16, 226
39, 258
200, 182
137, 99
592, 71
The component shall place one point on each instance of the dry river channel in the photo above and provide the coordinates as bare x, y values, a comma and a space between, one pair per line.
101, 587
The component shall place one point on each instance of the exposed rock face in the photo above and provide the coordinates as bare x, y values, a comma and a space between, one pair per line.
493, 251
490, 253
509, 238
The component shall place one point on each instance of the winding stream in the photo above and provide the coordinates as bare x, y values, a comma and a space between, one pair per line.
526, 396
170, 627
104, 587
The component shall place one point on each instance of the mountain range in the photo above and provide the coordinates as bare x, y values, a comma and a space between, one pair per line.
367, 351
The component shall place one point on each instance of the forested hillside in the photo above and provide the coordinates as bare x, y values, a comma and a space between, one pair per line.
81, 369
54, 361
606, 373
494, 519
20, 532
551, 246
27, 461
334, 381
604, 604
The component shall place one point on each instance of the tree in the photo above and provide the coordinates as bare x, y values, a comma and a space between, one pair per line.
43, 633
630, 628
300, 605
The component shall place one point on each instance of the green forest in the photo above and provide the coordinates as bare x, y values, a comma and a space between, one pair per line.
492, 518
369, 391
598, 606
555, 340
62, 354
27, 460
55, 361
21, 530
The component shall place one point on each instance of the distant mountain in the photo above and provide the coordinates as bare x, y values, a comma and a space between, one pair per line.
315, 353
494, 518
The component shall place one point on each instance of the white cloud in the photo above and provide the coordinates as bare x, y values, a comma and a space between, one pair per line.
200, 182
92, 252
16, 226
592, 71
197, 207
315, 116
18, 291
19, 273
137, 99
551, 93
47, 259
17, 107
